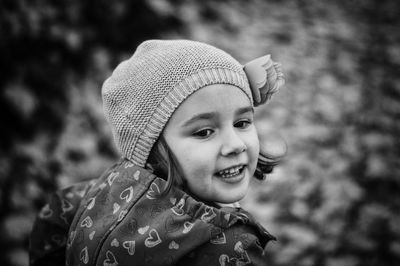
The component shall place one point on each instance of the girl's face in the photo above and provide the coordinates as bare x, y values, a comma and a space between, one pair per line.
213, 137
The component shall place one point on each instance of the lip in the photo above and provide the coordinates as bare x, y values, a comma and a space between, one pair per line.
233, 179
232, 166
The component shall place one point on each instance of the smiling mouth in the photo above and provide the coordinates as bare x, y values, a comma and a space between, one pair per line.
230, 172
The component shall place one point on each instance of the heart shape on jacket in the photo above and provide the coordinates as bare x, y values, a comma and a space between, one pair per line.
143, 230
66, 205
102, 186
90, 203
187, 226
136, 175
218, 239
208, 215
171, 224
127, 194
110, 259
71, 238
111, 177
116, 207
129, 246
84, 255
115, 243
46, 212
153, 192
178, 208
122, 215
87, 222
153, 239
242, 257
91, 235
128, 164
173, 245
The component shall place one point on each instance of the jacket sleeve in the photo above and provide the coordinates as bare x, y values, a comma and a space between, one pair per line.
237, 245
49, 234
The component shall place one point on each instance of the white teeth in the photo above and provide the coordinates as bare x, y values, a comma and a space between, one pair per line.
230, 172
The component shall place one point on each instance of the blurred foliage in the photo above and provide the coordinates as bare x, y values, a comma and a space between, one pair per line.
334, 200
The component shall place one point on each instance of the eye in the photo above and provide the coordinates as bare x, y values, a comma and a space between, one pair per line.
204, 133
243, 123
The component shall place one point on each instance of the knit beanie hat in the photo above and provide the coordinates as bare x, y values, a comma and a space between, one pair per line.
143, 91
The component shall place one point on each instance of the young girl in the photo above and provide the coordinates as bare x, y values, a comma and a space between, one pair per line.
181, 113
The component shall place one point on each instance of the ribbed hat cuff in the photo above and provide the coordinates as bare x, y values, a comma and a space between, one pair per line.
138, 152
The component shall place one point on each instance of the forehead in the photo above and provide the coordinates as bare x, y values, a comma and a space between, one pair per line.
218, 98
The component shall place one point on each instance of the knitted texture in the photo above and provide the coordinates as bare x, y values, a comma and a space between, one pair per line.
143, 91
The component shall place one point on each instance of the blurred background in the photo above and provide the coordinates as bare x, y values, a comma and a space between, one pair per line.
334, 200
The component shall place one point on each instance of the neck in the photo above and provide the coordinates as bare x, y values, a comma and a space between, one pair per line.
232, 205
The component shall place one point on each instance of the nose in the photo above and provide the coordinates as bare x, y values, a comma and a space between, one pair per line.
232, 144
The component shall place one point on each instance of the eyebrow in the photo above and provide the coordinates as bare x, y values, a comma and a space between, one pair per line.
201, 116
210, 115
243, 110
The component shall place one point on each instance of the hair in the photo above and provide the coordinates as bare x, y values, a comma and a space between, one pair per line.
266, 167
164, 164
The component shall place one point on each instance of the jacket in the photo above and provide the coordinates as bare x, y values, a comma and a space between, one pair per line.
123, 218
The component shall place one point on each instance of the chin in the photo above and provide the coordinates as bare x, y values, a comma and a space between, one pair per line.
232, 199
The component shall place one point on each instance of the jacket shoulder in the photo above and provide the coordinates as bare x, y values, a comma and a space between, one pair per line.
239, 244
125, 218
49, 233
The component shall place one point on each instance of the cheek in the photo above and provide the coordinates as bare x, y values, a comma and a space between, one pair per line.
196, 171
253, 146
195, 160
